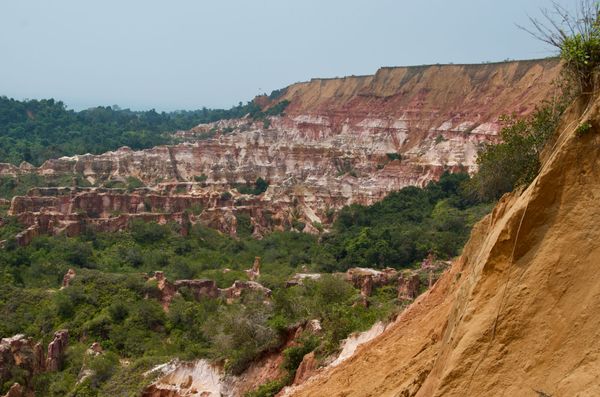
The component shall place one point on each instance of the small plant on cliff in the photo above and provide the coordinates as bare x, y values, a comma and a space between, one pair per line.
200, 178
260, 186
576, 35
583, 129
393, 156
226, 196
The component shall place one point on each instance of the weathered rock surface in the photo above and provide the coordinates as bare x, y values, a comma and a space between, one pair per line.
29, 357
202, 289
517, 314
408, 286
23, 352
306, 369
201, 378
254, 272
68, 277
341, 141
239, 287
56, 350
366, 279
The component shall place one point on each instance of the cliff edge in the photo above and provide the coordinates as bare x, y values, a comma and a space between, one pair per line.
517, 314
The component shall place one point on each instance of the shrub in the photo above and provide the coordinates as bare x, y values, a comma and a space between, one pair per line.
134, 183
226, 196
200, 178
576, 35
148, 232
393, 156
293, 355
583, 129
269, 389
516, 160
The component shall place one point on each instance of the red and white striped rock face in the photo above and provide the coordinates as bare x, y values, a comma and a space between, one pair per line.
339, 139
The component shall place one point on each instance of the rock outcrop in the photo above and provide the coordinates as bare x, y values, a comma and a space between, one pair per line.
517, 313
366, 279
23, 352
68, 277
239, 287
56, 350
254, 272
29, 357
408, 286
202, 289
306, 369
340, 141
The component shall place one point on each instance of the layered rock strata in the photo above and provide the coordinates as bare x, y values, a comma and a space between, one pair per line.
517, 314
340, 141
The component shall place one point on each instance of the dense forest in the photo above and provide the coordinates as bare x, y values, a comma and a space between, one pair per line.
110, 302
38, 130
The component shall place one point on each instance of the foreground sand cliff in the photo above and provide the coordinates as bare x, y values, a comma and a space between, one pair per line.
518, 313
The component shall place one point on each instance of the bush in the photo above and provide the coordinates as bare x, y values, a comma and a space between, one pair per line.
260, 186
200, 178
225, 196
241, 335
576, 35
583, 129
516, 160
269, 389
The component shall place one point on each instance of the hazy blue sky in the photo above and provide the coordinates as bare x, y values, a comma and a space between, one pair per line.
185, 54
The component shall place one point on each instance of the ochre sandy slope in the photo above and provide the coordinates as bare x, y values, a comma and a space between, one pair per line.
518, 314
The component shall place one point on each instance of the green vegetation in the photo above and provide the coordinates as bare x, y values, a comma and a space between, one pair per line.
576, 35
394, 156
38, 130
109, 300
583, 129
401, 229
516, 160
18, 186
260, 186
201, 178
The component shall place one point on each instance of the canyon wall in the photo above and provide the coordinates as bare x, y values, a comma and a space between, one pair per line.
516, 314
340, 141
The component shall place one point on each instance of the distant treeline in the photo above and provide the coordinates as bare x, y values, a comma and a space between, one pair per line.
38, 130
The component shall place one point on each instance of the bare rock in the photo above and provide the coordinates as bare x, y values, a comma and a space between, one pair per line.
56, 350
366, 279
306, 369
408, 286
298, 278
95, 349
201, 289
165, 288
239, 287
68, 277
254, 273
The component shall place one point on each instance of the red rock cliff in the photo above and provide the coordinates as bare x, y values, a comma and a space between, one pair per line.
340, 141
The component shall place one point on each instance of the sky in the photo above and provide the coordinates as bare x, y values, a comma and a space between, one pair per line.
186, 54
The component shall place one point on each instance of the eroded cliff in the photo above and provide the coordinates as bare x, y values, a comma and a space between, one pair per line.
340, 141
516, 315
